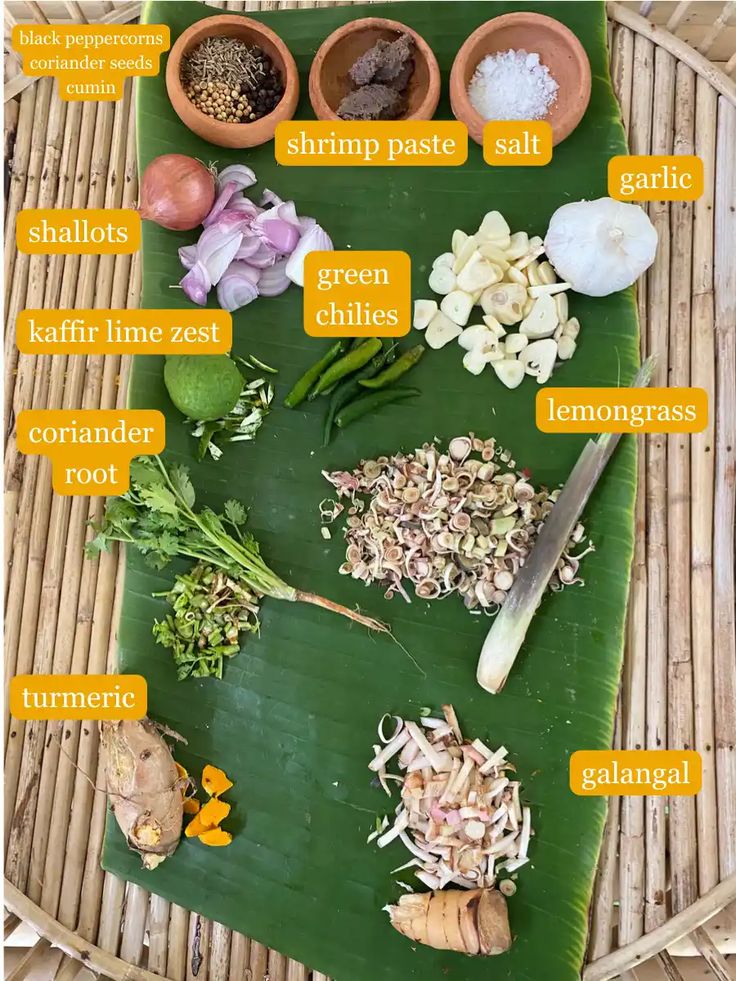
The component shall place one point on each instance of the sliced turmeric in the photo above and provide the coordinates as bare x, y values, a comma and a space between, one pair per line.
215, 781
191, 805
181, 771
216, 837
214, 812
195, 826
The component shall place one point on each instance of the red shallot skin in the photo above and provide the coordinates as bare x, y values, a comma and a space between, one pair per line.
177, 192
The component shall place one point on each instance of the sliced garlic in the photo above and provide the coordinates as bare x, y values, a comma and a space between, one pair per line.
514, 275
441, 330
528, 306
536, 248
518, 247
472, 336
442, 280
494, 227
505, 302
457, 306
538, 359
515, 343
459, 237
510, 372
548, 289
490, 251
542, 320
566, 347
493, 325
476, 359
446, 259
464, 253
571, 328
563, 307
477, 274
424, 310
547, 273
532, 274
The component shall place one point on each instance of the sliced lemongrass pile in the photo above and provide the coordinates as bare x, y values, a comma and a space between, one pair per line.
502, 273
436, 522
460, 815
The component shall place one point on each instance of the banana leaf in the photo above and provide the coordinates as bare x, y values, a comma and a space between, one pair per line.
294, 718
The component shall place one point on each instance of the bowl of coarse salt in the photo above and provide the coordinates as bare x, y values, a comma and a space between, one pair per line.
521, 66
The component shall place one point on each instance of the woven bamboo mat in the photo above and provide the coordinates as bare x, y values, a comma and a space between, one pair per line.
659, 858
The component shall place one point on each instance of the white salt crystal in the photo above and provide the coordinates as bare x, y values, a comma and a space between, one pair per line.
512, 85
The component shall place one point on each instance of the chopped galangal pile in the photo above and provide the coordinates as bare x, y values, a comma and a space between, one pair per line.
460, 814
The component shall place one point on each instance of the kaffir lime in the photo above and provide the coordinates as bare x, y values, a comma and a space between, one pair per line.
203, 386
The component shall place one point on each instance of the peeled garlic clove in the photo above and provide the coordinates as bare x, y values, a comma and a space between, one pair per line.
542, 320
518, 246
515, 343
514, 275
457, 306
424, 310
494, 227
536, 248
511, 373
490, 251
566, 347
547, 273
475, 361
493, 325
442, 280
446, 259
538, 359
571, 328
505, 302
562, 307
459, 239
477, 274
528, 306
464, 253
476, 295
472, 336
532, 273
548, 289
441, 330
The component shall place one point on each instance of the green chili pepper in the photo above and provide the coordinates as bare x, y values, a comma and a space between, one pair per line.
407, 361
302, 387
351, 362
369, 403
348, 390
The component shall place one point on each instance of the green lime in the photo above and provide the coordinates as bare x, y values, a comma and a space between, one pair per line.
203, 386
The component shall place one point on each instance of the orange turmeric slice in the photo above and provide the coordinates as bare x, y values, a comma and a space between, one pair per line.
214, 812
181, 771
195, 826
216, 837
191, 805
215, 781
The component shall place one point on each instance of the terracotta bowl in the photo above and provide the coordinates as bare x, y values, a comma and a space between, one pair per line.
214, 130
558, 49
329, 81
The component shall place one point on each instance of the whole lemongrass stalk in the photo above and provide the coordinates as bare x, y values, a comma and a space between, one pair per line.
157, 516
504, 639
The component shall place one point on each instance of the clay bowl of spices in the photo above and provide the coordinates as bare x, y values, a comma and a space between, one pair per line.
521, 66
397, 73
232, 80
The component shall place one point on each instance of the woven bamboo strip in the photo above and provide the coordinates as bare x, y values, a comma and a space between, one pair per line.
220, 953
296, 971
158, 931
702, 484
176, 967
600, 936
134, 924
276, 966
239, 951
724, 598
632, 856
27, 964
258, 961
15, 198
622, 67
674, 929
683, 842
198, 947
655, 911
111, 914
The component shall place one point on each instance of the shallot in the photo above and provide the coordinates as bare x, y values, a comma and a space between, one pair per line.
177, 192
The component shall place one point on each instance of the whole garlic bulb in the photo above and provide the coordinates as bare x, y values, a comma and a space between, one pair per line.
600, 246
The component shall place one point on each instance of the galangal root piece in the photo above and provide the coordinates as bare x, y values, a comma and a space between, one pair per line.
144, 788
469, 921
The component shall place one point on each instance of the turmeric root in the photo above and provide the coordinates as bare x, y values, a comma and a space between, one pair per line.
144, 787
215, 781
470, 921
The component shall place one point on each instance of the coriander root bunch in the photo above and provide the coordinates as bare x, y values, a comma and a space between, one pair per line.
158, 517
